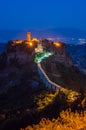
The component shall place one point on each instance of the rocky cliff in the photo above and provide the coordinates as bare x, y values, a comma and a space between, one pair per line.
59, 51
20, 53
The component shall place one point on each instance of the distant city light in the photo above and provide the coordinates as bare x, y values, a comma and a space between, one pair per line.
82, 41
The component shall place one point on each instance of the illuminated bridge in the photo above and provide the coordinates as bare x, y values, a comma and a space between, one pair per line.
38, 58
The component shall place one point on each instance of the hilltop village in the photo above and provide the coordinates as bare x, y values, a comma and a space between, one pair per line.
20, 56
21, 48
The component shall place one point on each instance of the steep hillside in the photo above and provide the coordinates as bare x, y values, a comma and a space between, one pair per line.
78, 53
24, 99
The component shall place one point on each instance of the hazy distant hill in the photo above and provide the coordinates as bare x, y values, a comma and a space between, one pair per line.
78, 53
69, 32
61, 34
7, 35
2, 47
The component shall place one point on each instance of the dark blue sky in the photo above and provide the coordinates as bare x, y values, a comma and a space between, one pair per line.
39, 14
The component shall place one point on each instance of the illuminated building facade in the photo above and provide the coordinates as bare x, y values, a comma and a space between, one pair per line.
57, 44
17, 41
39, 48
35, 40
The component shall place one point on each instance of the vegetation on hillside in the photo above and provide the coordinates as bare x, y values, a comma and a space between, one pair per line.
70, 76
35, 107
67, 121
23, 106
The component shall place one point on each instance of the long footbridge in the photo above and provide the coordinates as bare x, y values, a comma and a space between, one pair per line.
48, 83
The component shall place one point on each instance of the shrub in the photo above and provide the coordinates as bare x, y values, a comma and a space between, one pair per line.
67, 121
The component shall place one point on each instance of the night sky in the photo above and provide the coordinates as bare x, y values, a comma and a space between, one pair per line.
42, 14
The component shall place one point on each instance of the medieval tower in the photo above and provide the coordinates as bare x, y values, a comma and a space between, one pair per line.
28, 36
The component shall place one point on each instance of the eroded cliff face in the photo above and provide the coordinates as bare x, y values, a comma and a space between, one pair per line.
20, 54
61, 55
24, 53
59, 51
16, 66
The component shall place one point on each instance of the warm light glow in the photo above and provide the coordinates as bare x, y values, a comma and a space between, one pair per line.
35, 40
28, 36
18, 41
57, 44
31, 44
39, 48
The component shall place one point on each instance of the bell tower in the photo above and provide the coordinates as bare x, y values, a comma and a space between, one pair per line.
28, 36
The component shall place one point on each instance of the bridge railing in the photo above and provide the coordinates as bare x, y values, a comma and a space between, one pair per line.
47, 81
